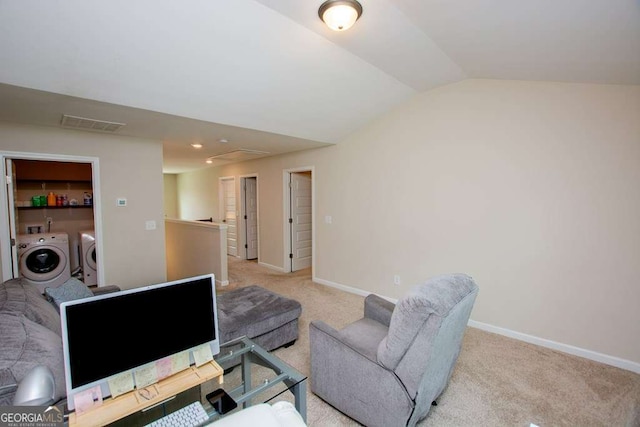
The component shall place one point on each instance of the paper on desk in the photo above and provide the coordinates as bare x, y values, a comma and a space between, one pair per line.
164, 367
202, 354
121, 383
87, 399
180, 361
146, 375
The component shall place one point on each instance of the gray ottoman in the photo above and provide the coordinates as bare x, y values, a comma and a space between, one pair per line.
269, 319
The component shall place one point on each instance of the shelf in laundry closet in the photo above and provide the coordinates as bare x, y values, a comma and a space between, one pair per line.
44, 181
53, 207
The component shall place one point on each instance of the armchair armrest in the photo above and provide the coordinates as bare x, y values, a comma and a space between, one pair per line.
378, 309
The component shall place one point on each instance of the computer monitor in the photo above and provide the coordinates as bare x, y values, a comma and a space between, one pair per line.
110, 334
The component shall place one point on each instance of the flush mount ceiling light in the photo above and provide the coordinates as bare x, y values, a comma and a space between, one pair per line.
239, 155
196, 145
340, 15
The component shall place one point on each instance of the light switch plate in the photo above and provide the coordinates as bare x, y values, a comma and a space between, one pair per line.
121, 202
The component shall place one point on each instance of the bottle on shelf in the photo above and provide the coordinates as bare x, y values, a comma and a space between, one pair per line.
51, 199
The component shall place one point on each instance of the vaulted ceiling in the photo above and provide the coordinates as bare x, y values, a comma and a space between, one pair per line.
268, 75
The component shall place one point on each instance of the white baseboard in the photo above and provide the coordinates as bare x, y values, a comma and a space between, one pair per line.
341, 287
272, 267
564, 348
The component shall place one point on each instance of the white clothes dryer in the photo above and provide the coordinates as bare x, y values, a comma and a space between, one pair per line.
88, 257
44, 259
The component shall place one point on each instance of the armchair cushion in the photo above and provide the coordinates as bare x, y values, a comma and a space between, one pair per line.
365, 336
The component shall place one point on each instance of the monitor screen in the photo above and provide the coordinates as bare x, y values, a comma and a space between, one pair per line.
114, 333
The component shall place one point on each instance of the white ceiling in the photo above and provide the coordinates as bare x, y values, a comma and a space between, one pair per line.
268, 75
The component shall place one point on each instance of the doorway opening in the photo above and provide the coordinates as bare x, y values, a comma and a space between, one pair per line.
48, 203
299, 235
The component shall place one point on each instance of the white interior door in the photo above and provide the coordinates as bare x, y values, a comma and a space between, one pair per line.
251, 216
301, 220
12, 213
229, 213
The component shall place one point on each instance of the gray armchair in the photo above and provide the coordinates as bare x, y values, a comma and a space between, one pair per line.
387, 368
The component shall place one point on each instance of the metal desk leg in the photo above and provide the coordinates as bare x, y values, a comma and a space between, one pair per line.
300, 393
246, 377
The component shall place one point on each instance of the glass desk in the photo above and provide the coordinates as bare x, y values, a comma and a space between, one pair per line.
253, 375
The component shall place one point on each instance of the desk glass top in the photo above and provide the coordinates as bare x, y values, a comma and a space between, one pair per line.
253, 375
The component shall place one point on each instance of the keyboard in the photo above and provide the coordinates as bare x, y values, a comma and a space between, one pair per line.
189, 416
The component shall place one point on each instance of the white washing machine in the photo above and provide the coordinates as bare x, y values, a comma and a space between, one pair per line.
44, 259
88, 257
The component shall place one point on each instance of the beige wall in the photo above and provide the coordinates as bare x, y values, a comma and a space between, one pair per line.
529, 187
130, 168
170, 191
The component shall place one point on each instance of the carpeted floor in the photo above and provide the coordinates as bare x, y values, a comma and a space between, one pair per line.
498, 381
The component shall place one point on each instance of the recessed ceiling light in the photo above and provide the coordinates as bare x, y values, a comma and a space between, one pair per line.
223, 141
196, 145
209, 161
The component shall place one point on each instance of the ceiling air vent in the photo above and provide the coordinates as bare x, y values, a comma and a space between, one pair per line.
84, 123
